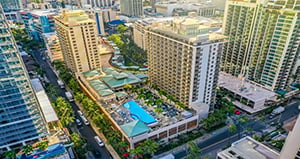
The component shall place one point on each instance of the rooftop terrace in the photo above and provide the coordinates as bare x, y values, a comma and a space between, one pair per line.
244, 88
248, 148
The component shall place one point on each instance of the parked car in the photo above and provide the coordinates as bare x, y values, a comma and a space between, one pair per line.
99, 141
237, 112
78, 122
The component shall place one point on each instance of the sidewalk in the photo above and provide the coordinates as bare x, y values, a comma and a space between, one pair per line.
184, 147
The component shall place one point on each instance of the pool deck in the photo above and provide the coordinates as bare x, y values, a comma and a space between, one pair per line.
136, 111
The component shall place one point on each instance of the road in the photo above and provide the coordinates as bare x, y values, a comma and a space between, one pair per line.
221, 139
86, 131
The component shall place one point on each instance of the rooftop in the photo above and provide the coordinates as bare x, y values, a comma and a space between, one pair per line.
190, 28
100, 88
40, 12
52, 151
134, 128
115, 79
74, 17
44, 101
94, 72
244, 88
248, 148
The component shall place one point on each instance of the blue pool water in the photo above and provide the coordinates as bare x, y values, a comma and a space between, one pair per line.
137, 112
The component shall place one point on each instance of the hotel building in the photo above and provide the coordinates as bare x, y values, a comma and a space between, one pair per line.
21, 119
264, 40
77, 35
183, 57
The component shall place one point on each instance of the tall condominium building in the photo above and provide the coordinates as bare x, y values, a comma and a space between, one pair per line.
77, 35
291, 147
132, 8
11, 5
97, 3
21, 120
184, 57
264, 38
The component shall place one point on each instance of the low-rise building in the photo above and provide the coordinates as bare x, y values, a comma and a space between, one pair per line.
248, 96
248, 148
55, 151
53, 47
135, 121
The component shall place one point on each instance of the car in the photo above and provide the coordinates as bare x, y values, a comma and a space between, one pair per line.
236, 110
237, 113
99, 141
78, 122
299, 107
80, 113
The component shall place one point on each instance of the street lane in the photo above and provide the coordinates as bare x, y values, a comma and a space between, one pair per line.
86, 131
222, 139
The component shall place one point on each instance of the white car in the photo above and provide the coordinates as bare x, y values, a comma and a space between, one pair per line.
80, 113
298, 107
99, 141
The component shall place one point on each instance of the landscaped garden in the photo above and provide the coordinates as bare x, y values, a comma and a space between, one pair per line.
133, 55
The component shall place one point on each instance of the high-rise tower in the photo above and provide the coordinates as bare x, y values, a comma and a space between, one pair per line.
264, 38
132, 8
77, 35
184, 58
21, 120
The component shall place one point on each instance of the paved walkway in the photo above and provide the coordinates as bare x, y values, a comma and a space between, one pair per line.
184, 147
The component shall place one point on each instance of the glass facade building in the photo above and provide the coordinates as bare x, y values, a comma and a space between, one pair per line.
21, 120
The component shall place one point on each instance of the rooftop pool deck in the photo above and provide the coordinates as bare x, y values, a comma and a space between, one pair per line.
138, 113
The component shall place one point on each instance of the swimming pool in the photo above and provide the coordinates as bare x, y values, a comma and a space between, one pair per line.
136, 112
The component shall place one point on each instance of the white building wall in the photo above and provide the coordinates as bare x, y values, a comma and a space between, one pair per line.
292, 143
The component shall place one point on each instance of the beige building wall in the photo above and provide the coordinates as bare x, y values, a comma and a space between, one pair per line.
77, 34
53, 47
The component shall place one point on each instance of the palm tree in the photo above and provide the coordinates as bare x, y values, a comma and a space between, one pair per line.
149, 146
76, 140
93, 111
42, 145
127, 87
232, 128
27, 149
136, 152
79, 96
10, 154
73, 85
194, 150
